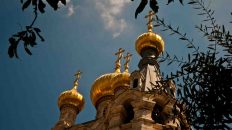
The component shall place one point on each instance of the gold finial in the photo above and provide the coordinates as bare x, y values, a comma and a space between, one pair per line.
78, 76
127, 58
149, 24
117, 62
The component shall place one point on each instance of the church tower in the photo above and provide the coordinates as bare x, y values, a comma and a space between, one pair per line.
70, 102
133, 101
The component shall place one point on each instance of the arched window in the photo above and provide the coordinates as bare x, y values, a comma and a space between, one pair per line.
156, 114
129, 113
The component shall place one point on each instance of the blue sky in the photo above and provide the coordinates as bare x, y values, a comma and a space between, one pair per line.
83, 35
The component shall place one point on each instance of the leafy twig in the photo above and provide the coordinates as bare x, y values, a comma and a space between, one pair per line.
161, 22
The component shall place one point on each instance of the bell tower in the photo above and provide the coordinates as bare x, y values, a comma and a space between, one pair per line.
156, 106
149, 46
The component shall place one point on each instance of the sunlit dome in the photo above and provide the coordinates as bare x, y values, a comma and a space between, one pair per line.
102, 87
121, 80
149, 40
71, 97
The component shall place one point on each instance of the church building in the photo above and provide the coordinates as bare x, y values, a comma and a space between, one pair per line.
124, 100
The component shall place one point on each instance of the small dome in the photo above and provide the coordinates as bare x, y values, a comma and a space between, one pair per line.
71, 97
121, 80
102, 87
149, 40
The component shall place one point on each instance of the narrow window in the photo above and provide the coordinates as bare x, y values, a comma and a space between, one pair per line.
135, 83
129, 113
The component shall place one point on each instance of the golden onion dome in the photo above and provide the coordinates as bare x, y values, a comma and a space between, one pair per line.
121, 80
149, 40
102, 87
71, 97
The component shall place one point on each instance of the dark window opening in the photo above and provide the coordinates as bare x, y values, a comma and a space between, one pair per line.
157, 114
135, 83
149, 52
129, 113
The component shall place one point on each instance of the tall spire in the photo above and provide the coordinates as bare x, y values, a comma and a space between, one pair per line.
76, 81
127, 58
150, 19
118, 61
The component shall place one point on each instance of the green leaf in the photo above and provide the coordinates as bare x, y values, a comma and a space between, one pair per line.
182, 38
37, 30
156, 25
201, 14
154, 5
211, 48
26, 4
140, 8
181, 1
170, 62
33, 37
189, 57
53, 3
12, 41
169, 1
41, 6
34, 2
192, 2
160, 61
11, 51
28, 51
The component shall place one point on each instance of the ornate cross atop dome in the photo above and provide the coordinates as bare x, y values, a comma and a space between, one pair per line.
150, 19
127, 58
78, 76
117, 62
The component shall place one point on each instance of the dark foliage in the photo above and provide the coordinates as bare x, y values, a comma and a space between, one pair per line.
41, 5
143, 3
206, 91
214, 32
29, 36
153, 5
140, 8
29, 40
204, 82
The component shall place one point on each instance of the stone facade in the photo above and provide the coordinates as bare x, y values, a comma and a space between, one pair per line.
130, 110
133, 109
138, 102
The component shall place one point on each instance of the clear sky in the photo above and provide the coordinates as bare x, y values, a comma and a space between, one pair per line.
83, 35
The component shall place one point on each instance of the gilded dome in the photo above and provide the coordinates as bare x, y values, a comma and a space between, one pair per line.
149, 40
71, 97
121, 80
102, 87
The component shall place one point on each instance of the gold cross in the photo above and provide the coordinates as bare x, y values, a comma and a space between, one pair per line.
150, 18
117, 62
127, 58
78, 76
